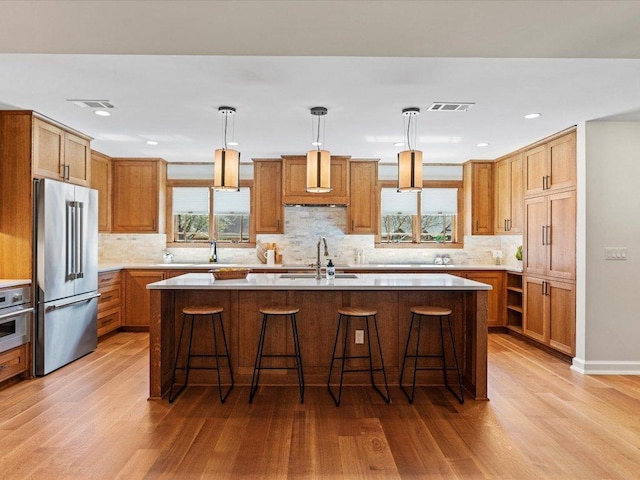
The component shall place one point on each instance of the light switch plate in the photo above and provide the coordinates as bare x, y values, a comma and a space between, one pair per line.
615, 253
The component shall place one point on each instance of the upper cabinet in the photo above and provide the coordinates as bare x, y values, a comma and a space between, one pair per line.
60, 154
478, 191
295, 182
551, 167
267, 185
101, 181
362, 212
508, 195
138, 201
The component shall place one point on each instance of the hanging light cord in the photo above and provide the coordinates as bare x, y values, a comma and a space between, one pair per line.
226, 116
318, 136
408, 130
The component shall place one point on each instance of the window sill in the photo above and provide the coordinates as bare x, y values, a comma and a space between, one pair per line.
208, 245
428, 246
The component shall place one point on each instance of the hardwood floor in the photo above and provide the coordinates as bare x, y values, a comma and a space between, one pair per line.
91, 420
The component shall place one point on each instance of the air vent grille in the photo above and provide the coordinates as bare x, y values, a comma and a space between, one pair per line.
450, 106
92, 103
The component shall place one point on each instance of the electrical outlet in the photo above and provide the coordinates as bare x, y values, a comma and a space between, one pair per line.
359, 337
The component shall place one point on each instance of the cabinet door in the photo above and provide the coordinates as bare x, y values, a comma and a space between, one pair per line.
561, 235
561, 307
267, 182
535, 249
502, 195
77, 159
535, 170
48, 150
516, 219
535, 323
295, 183
495, 313
136, 296
101, 181
362, 212
135, 196
562, 162
482, 199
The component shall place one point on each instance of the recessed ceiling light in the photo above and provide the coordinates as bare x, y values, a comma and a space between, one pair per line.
483, 144
232, 144
398, 144
102, 113
532, 115
151, 142
316, 144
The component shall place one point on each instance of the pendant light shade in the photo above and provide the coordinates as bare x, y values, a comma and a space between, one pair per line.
410, 161
318, 161
226, 175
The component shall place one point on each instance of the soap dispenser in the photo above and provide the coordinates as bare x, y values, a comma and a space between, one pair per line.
331, 270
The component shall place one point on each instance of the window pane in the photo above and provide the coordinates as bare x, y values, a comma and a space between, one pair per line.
437, 201
437, 228
231, 215
397, 210
191, 214
191, 228
193, 200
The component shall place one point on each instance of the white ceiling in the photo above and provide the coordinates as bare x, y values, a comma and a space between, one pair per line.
364, 61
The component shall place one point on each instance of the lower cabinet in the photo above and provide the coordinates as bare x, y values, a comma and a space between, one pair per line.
550, 313
495, 302
136, 297
109, 302
13, 362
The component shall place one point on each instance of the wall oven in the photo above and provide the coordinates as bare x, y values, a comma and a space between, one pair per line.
15, 317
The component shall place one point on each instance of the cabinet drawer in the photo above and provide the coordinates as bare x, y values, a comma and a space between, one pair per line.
109, 321
13, 362
109, 298
109, 278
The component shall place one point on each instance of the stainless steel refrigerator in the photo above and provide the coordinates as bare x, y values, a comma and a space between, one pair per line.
65, 273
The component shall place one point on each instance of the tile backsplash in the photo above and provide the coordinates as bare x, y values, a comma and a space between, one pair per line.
303, 227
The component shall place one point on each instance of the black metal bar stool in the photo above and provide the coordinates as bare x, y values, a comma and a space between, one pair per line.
201, 312
439, 313
283, 312
344, 321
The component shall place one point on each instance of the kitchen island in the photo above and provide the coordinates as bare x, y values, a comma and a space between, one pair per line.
392, 295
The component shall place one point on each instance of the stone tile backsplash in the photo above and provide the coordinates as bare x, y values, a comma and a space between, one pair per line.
303, 227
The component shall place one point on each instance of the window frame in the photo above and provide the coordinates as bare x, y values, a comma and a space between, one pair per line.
457, 229
212, 233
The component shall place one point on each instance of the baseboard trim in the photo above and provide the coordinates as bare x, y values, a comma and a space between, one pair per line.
605, 367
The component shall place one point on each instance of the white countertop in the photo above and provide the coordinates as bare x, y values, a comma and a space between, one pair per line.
293, 267
13, 283
364, 281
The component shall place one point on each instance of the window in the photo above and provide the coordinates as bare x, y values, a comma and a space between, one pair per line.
198, 214
429, 218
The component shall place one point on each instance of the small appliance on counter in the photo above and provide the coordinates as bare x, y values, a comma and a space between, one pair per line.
65, 274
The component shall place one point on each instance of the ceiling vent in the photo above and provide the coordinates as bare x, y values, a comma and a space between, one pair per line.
92, 103
450, 106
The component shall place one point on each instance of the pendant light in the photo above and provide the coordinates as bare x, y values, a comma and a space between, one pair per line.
227, 161
410, 161
318, 161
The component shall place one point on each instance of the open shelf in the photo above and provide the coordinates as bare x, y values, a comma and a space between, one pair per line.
514, 301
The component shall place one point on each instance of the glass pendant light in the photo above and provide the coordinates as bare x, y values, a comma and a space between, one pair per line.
227, 161
410, 161
318, 161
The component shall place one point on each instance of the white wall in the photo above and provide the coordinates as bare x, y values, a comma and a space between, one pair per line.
612, 219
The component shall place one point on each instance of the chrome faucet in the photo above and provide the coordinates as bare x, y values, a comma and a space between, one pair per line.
326, 254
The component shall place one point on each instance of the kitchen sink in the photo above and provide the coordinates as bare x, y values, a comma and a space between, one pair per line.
293, 276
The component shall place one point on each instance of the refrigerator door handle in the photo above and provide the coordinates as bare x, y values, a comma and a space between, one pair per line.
70, 242
84, 298
79, 243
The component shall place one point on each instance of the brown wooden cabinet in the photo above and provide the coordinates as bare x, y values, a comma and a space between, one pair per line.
109, 302
267, 185
294, 181
549, 315
362, 211
101, 181
14, 362
495, 300
478, 191
138, 201
136, 297
551, 166
508, 195
60, 154
550, 236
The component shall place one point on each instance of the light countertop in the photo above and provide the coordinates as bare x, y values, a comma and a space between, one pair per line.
13, 283
363, 281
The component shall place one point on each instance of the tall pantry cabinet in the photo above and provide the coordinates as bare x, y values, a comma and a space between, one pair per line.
549, 242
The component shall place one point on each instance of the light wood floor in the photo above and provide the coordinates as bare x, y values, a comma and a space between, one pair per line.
91, 420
